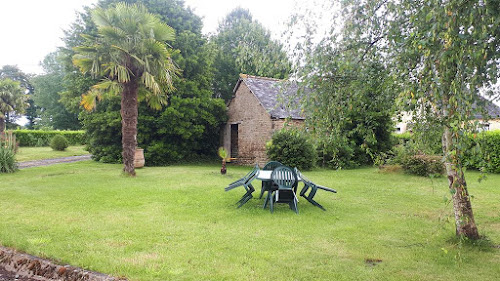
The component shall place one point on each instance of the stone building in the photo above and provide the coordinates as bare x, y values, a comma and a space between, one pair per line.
259, 107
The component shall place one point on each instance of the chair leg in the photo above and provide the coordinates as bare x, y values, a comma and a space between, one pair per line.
271, 203
295, 205
267, 199
262, 190
315, 203
245, 200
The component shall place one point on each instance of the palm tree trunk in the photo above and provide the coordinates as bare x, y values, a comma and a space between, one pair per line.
129, 114
462, 208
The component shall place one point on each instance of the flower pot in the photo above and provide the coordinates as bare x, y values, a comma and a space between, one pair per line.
139, 158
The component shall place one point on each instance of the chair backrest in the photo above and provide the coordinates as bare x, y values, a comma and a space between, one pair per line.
284, 177
253, 172
302, 177
271, 165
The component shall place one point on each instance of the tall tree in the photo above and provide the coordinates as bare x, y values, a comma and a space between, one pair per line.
12, 99
443, 52
243, 45
51, 112
349, 99
193, 89
130, 51
14, 73
450, 49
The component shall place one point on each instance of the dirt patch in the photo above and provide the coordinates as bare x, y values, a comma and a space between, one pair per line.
372, 262
24, 267
46, 162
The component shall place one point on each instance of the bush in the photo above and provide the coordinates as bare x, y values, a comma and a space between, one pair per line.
292, 148
188, 129
59, 143
43, 138
483, 152
335, 152
7, 154
423, 165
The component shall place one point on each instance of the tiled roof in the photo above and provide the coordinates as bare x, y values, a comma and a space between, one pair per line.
491, 109
278, 97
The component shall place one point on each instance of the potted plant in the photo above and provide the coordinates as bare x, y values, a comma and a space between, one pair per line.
223, 155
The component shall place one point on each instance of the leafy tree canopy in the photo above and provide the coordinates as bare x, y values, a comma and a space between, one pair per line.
350, 98
12, 99
52, 113
243, 45
14, 73
193, 88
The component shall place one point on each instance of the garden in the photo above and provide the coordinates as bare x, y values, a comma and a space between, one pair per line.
177, 223
140, 77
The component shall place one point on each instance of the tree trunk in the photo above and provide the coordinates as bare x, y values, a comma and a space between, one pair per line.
464, 218
129, 114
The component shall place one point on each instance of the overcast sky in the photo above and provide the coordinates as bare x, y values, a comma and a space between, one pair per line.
31, 29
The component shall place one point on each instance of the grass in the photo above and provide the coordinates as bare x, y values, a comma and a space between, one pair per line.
177, 223
39, 153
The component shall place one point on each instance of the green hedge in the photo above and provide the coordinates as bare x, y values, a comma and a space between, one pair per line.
43, 138
484, 151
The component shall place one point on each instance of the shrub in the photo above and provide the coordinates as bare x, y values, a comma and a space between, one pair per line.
187, 130
43, 138
483, 152
59, 143
7, 153
335, 152
423, 165
292, 148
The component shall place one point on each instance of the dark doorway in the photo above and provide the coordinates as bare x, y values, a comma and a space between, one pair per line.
234, 140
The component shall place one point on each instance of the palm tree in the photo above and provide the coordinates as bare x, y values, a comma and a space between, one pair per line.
12, 98
131, 53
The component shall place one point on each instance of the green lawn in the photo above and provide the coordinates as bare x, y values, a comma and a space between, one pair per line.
39, 153
177, 223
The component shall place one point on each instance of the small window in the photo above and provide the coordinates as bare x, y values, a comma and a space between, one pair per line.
483, 127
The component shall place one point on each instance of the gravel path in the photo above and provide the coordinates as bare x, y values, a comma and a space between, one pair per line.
46, 162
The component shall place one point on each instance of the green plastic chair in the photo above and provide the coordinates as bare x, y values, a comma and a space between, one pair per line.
268, 185
313, 189
246, 182
285, 179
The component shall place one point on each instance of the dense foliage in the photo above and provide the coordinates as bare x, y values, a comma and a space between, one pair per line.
188, 127
243, 45
483, 152
292, 148
349, 101
135, 62
51, 112
13, 73
59, 143
42, 138
12, 99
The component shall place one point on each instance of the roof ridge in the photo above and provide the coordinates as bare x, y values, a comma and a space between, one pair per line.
244, 76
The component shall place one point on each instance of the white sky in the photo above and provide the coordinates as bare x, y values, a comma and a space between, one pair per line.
31, 29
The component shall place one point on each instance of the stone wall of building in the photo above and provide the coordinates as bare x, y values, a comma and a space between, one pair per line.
255, 127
